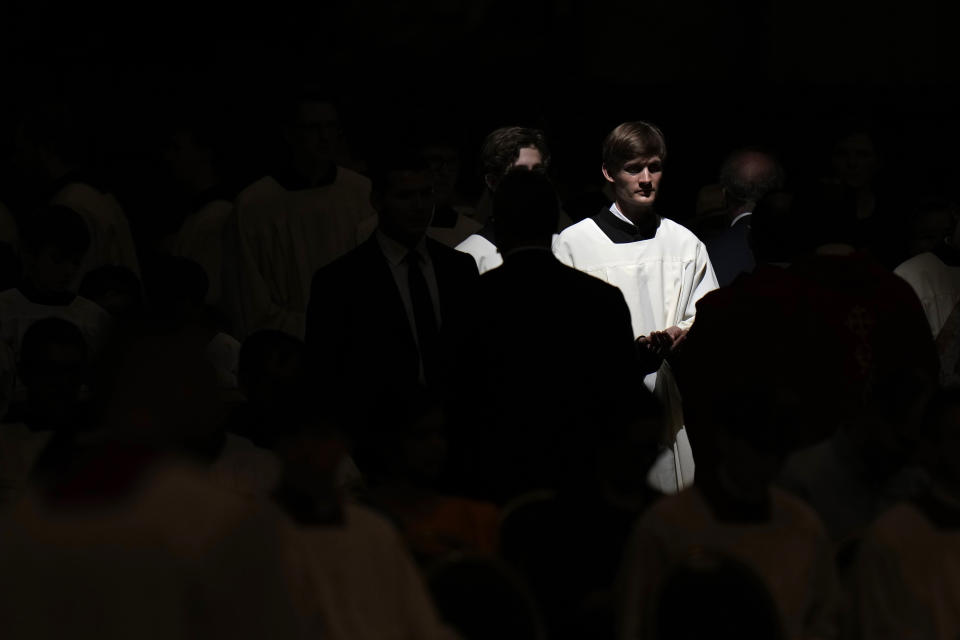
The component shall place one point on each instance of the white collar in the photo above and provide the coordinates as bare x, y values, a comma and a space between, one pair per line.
615, 210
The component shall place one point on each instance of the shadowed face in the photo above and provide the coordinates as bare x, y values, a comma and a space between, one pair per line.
51, 269
314, 135
636, 183
444, 161
406, 205
855, 161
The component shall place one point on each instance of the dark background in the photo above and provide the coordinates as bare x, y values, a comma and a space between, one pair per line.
788, 75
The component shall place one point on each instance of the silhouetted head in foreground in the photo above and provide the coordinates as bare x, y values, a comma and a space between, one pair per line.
713, 596
526, 209
510, 148
483, 599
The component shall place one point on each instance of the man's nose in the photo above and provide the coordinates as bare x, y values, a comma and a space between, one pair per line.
644, 176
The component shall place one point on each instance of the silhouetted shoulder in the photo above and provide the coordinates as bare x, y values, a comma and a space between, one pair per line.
263, 189
796, 512
461, 260
349, 263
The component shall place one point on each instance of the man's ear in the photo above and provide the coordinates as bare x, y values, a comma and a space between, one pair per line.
606, 174
491, 181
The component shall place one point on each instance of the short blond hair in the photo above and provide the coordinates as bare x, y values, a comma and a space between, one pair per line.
631, 140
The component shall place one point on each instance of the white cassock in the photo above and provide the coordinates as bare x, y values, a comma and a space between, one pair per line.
111, 242
483, 251
283, 238
661, 279
789, 551
908, 576
364, 584
178, 558
200, 239
936, 283
246, 469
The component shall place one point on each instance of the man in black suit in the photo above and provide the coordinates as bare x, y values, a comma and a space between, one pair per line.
746, 175
546, 370
376, 316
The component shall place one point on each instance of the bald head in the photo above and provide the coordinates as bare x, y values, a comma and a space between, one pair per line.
747, 175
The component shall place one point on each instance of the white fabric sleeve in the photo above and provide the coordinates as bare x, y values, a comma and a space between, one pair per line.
704, 281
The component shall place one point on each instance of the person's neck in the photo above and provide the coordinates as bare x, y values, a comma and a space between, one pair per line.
56, 169
510, 247
641, 217
408, 242
203, 181
310, 510
39, 295
314, 175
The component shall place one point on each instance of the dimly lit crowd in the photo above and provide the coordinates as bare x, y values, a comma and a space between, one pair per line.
362, 393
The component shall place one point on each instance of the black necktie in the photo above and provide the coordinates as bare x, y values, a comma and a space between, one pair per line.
424, 316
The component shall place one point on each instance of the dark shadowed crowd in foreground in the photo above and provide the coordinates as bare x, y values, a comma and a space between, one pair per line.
346, 400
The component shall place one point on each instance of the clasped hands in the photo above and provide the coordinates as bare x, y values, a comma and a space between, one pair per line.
657, 345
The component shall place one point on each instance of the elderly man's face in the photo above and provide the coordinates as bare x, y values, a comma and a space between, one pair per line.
637, 182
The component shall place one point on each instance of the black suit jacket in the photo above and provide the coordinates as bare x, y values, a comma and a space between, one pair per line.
544, 369
730, 252
357, 330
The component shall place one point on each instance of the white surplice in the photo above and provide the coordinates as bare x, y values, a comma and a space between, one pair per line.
936, 284
111, 242
661, 278
284, 237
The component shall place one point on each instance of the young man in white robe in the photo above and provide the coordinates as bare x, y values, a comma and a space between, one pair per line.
504, 150
661, 268
293, 222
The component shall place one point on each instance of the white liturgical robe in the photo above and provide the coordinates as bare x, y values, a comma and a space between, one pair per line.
111, 242
661, 277
908, 574
936, 283
483, 251
200, 239
284, 237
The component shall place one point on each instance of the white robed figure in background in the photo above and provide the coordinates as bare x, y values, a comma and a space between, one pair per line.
661, 268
